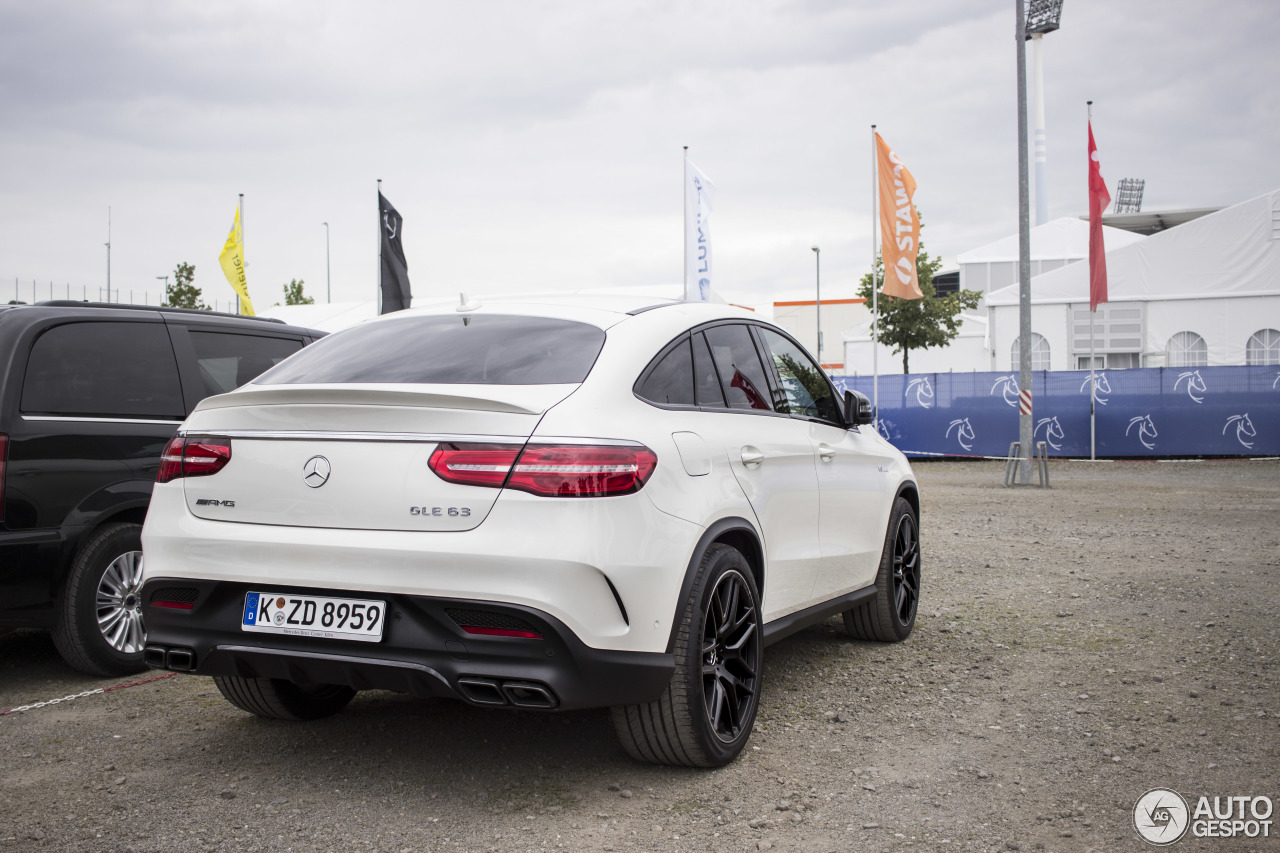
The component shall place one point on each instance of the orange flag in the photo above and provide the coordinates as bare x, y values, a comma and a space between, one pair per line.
899, 225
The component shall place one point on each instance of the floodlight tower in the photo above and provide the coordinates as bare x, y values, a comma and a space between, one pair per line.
1129, 195
1042, 17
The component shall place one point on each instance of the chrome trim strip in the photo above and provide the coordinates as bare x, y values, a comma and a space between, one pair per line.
319, 435
422, 437
67, 418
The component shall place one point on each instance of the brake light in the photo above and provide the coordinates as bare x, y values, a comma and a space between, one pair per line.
578, 471
188, 457
474, 464
4, 459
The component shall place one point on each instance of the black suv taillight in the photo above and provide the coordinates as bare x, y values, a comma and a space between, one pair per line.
550, 470
193, 457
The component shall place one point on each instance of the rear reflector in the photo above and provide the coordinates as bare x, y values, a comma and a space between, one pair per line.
501, 632
550, 470
190, 457
173, 605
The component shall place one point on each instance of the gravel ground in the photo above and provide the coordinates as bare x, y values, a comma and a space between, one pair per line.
1076, 647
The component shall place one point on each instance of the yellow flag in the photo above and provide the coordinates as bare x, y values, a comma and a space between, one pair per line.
232, 260
899, 225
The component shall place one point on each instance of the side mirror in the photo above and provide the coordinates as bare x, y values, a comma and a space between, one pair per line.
857, 408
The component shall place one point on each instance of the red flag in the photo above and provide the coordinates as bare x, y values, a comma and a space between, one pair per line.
1099, 198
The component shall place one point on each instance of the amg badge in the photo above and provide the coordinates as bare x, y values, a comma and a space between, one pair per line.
212, 502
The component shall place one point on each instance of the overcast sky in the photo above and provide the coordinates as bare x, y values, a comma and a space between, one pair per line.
537, 145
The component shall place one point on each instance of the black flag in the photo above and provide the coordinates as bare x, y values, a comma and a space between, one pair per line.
395, 272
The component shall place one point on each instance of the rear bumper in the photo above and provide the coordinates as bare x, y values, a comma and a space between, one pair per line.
424, 651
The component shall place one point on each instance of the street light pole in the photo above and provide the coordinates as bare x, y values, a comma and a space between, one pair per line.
164, 278
817, 271
328, 292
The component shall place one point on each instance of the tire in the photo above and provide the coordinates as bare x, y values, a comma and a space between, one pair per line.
98, 625
890, 616
277, 699
706, 714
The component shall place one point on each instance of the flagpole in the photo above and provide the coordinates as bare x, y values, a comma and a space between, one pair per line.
380, 227
108, 256
1093, 386
684, 205
875, 292
245, 264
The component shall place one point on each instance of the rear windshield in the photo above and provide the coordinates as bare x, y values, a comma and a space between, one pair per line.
481, 350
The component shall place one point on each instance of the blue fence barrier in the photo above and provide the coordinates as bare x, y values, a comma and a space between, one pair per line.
1158, 411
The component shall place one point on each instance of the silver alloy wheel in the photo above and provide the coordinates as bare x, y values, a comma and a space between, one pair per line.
119, 604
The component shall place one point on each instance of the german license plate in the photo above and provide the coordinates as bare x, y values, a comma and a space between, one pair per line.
314, 616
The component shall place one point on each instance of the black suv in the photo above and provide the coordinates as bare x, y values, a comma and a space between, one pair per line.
89, 396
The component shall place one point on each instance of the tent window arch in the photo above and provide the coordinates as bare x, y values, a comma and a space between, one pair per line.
1263, 347
1187, 349
1039, 353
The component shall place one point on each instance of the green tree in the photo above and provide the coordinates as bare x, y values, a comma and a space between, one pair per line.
907, 324
293, 294
182, 292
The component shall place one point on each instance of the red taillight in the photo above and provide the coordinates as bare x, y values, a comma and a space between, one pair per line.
4, 458
188, 457
581, 471
474, 464
550, 470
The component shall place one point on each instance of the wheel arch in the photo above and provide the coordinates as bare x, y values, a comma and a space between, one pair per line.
736, 532
911, 492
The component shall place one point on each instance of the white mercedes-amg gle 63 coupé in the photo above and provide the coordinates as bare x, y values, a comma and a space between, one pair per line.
552, 503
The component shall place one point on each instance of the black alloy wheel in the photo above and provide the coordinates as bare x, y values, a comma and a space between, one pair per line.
704, 717
730, 657
891, 614
906, 570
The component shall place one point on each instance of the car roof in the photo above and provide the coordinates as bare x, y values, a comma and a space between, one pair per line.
60, 308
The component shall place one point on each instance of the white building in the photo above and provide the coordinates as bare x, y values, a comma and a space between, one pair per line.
801, 320
1204, 293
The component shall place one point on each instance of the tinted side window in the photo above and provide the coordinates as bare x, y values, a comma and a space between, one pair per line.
706, 385
228, 360
105, 370
670, 383
738, 364
807, 393
488, 349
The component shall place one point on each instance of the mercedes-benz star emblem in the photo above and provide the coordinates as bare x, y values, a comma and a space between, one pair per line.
315, 471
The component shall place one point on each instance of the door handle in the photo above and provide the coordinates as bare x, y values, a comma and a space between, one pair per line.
751, 456
826, 451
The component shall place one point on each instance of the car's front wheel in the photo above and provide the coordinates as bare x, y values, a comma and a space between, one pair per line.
278, 699
99, 628
706, 714
891, 614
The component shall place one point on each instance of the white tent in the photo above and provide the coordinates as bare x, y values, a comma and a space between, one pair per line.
1053, 244
1189, 296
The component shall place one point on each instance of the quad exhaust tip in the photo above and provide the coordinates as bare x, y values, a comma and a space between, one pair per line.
177, 660
495, 692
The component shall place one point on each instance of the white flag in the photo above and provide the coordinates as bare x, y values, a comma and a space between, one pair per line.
699, 193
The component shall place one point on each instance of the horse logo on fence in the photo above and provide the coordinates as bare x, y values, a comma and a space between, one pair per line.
1244, 428
964, 432
887, 429
1195, 385
1276, 383
1053, 433
1102, 388
1009, 389
924, 391
1146, 430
